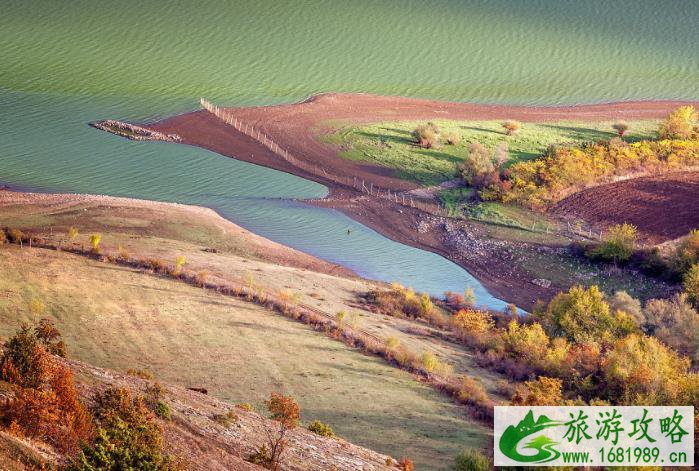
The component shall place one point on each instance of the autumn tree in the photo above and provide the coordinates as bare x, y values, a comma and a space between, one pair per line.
639, 369
582, 315
679, 124
45, 404
95, 240
286, 414
620, 127
127, 435
618, 245
511, 127
542, 391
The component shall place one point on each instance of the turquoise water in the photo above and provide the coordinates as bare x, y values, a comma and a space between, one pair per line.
67, 63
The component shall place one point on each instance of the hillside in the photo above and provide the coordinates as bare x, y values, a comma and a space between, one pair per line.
198, 439
120, 317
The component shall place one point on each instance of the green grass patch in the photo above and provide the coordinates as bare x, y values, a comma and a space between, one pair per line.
390, 143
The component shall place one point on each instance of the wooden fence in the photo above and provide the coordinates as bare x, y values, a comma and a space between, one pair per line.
366, 187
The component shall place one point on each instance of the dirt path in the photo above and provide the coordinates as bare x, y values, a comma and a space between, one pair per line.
297, 127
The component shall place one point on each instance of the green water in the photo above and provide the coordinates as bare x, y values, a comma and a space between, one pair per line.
535, 51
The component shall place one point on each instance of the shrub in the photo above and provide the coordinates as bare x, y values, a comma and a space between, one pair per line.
687, 253
15, 236
139, 373
501, 154
245, 406
3, 237
95, 240
675, 322
620, 127
619, 244
641, 370
319, 428
163, 411
122, 253
429, 362
426, 135
511, 127
477, 166
540, 392
127, 435
72, 233
581, 315
45, 405
472, 392
690, 283
679, 124
406, 464
539, 182
452, 138
201, 278
472, 460
227, 419
392, 343
156, 265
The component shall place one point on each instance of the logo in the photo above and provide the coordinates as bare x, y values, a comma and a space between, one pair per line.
594, 436
527, 427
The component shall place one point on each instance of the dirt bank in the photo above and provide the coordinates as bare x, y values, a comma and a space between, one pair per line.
296, 127
148, 217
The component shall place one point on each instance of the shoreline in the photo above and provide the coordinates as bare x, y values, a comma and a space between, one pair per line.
298, 126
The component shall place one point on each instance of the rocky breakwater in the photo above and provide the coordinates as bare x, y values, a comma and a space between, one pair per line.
133, 132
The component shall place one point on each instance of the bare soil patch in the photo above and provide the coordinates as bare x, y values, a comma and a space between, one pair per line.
662, 207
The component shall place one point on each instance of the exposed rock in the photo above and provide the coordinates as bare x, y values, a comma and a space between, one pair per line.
542, 282
135, 133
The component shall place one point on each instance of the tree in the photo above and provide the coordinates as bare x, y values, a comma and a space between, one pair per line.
675, 322
623, 301
285, 412
679, 124
127, 437
477, 166
620, 127
95, 240
690, 282
45, 404
179, 263
511, 127
580, 315
501, 155
72, 233
639, 369
619, 244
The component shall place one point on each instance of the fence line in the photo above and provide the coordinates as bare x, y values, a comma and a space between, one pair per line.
365, 187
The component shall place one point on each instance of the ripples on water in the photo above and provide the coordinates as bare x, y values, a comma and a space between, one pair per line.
67, 63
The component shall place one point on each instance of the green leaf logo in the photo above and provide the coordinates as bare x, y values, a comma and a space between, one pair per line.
544, 445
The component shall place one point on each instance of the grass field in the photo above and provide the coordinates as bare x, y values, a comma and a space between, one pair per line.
390, 144
118, 318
